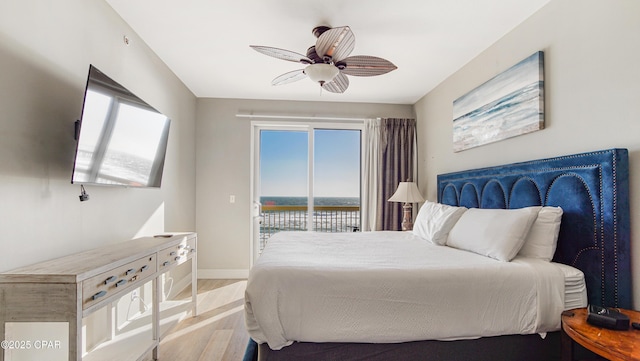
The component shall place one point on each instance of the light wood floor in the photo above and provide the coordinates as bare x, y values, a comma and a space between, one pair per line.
217, 333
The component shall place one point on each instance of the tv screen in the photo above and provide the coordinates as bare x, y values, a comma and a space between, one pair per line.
121, 139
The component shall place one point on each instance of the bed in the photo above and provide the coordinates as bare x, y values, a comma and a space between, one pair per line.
590, 188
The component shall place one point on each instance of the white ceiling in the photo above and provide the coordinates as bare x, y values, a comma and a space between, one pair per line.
206, 42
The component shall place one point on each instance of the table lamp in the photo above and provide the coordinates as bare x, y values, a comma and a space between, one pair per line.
408, 193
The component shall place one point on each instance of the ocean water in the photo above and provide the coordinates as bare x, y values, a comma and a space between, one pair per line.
302, 201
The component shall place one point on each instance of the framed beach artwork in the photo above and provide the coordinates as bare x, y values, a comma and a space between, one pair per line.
508, 105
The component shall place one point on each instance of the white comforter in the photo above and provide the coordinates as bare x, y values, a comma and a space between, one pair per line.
386, 287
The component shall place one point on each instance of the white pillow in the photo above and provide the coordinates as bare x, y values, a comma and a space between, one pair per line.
542, 239
495, 233
435, 220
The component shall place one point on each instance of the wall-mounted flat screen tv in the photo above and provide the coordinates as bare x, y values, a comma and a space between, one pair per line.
122, 140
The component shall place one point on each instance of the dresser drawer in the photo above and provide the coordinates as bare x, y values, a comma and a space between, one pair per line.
117, 280
177, 254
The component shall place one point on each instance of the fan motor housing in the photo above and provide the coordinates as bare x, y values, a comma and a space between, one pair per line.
311, 54
318, 30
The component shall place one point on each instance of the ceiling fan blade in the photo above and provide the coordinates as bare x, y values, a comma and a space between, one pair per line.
338, 85
365, 65
282, 54
336, 43
289, 77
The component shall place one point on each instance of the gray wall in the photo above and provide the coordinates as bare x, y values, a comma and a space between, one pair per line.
222, 169
45, 51
592, 95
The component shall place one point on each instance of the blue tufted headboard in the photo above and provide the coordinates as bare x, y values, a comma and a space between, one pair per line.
593, 191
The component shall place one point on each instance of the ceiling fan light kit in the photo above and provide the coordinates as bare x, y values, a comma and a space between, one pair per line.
328, 62
321, 72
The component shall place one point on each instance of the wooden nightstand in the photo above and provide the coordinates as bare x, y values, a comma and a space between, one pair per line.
612, 344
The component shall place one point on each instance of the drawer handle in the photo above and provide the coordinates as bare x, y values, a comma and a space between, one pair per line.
110, 279
121, 283
177, 258
182, 246
130, 271
98, 295
166, 263
143, 268
172, 253
193, 249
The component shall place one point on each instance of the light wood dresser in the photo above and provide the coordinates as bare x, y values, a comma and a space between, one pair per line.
74, 287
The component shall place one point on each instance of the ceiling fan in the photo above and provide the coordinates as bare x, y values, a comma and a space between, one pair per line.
328, 62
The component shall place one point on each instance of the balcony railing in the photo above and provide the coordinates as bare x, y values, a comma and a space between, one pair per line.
295, 218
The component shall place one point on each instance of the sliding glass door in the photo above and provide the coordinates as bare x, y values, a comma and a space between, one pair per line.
306, 178
336, 180
283, 181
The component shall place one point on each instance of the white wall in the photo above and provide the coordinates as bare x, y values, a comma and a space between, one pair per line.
592, 96
223, 157
45, 51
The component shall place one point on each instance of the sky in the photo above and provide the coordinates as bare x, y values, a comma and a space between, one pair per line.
284, 163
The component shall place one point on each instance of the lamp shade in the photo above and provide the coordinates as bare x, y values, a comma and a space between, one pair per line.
407, 192
321, 73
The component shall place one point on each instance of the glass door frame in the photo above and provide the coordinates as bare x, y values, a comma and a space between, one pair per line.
290, 125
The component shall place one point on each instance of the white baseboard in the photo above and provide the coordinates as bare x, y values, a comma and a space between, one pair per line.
223, 273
